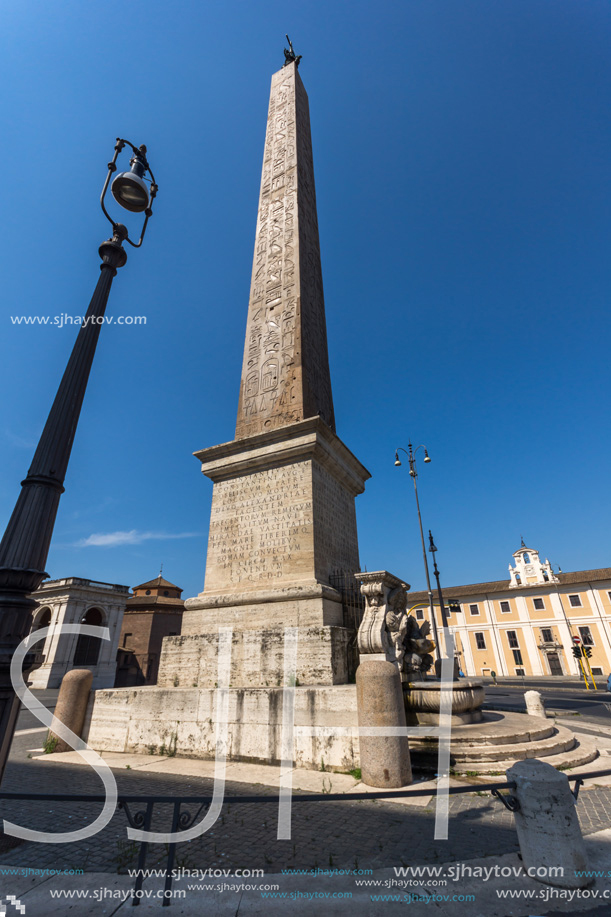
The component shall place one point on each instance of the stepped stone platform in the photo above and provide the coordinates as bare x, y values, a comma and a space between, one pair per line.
501, 739
326, 729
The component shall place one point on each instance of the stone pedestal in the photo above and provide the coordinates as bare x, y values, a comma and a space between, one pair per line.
282, 523
385, 760
547, 825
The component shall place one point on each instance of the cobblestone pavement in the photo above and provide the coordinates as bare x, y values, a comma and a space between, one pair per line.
359, 834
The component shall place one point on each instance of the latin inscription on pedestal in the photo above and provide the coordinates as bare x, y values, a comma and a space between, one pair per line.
261, 530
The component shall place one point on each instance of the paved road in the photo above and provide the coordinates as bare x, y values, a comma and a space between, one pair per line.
592, 706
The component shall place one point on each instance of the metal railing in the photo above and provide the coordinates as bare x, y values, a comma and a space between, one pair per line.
143, 818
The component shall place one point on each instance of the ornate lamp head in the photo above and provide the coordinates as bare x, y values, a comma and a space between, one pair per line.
130, 189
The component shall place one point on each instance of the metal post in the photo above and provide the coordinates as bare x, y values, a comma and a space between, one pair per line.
414, 474
25, 545
444, 616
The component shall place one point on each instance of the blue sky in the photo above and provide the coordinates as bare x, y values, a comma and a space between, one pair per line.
461, 153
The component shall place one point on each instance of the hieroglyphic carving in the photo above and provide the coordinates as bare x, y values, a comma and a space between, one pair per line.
285, 375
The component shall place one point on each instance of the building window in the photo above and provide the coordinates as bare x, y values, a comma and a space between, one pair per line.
419, 614
166, 592
596, 670
518, 579
586, 636
513, 639
520, 672
480, 641
474, 609
539, 604
148, 592
88, 648
126, 638
526, 559
609, 594
575, 601
545, 576
546, 635
517, 657
505, 608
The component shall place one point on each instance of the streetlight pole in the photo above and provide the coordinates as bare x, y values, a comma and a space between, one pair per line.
444, 616
25, 545
411, 458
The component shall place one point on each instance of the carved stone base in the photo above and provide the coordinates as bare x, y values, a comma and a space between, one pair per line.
257, 658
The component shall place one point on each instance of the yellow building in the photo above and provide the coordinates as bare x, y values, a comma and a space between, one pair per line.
527, 625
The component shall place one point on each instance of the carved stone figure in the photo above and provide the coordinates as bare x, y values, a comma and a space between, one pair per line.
289, 55
396, 623
417, 660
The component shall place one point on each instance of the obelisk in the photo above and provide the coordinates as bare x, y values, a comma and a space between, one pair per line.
285, 374
283, 516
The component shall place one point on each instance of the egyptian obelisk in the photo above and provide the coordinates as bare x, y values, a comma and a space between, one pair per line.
283, 516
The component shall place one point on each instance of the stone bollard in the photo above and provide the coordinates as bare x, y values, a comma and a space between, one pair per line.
547, 825
534, 704
72, 704
385, 760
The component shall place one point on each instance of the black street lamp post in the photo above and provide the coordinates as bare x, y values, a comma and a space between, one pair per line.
444, 615
25, 545
411, 457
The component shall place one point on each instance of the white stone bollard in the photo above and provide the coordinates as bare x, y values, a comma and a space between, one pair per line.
534, 704
550, 838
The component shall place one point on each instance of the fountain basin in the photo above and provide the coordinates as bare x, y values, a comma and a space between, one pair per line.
423, 699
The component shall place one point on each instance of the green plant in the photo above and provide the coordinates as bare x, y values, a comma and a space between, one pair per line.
322, 765
326, 789
356, 773
128, 767
471, 773
152, 749
126, 853
176, 681
50, 745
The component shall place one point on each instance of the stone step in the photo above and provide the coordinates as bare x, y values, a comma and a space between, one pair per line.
562, 740
582, 753
496, 729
